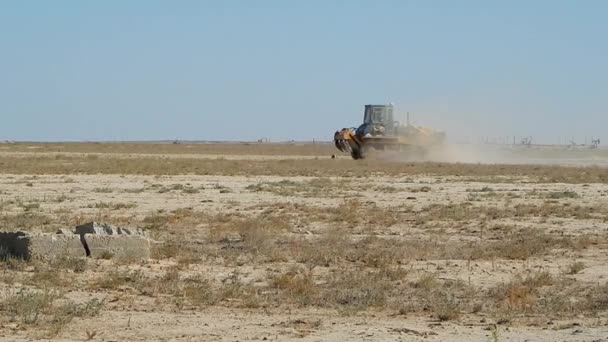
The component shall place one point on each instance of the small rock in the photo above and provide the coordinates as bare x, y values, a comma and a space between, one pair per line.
232, 238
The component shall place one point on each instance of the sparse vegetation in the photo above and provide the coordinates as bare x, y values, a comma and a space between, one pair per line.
40, 164
42, 309
315, 187
562, 194
490, 241
575, 267
112, 206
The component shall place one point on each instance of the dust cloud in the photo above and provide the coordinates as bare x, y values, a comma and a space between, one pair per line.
503, 154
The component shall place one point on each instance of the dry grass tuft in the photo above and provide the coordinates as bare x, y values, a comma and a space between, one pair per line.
575, 268
44, 310
297, 285
355, 290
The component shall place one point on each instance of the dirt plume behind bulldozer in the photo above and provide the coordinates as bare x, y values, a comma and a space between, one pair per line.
496, 154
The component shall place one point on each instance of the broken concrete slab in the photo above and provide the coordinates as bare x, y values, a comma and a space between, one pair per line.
96, 228
67, 244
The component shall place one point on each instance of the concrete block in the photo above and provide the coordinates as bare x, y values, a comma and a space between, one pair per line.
41, 246
50, 246
96, 228
118, 246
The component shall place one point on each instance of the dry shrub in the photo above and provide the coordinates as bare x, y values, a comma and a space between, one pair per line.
198, 290
539, 279
541, 293
519, 296
237, 293
522, 293
562, 194
48, 277
258, 234
297, 286
185, 251
39, 308
427, 282
575, 268
446, 309
330, 249
253, 236
168, 283
65, 313
194, 290
597, 299
161, 221
76, 265
228, 236
521, 246
28, 306
346, 290
116, 279
355, 289
376, 252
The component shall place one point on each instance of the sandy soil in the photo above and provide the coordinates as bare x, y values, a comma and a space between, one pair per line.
73, 199
244, 325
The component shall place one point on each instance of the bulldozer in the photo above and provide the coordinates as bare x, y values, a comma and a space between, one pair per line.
381, 132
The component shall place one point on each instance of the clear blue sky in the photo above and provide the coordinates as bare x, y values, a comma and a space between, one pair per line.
241, 70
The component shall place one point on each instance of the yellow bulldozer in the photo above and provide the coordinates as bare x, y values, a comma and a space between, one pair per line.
380, 131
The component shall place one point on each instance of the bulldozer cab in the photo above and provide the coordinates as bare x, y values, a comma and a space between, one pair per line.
379, 115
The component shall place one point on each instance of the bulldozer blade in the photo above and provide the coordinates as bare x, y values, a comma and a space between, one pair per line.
343, 146
340, 142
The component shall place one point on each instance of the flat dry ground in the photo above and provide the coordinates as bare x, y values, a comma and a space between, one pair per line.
281, 242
